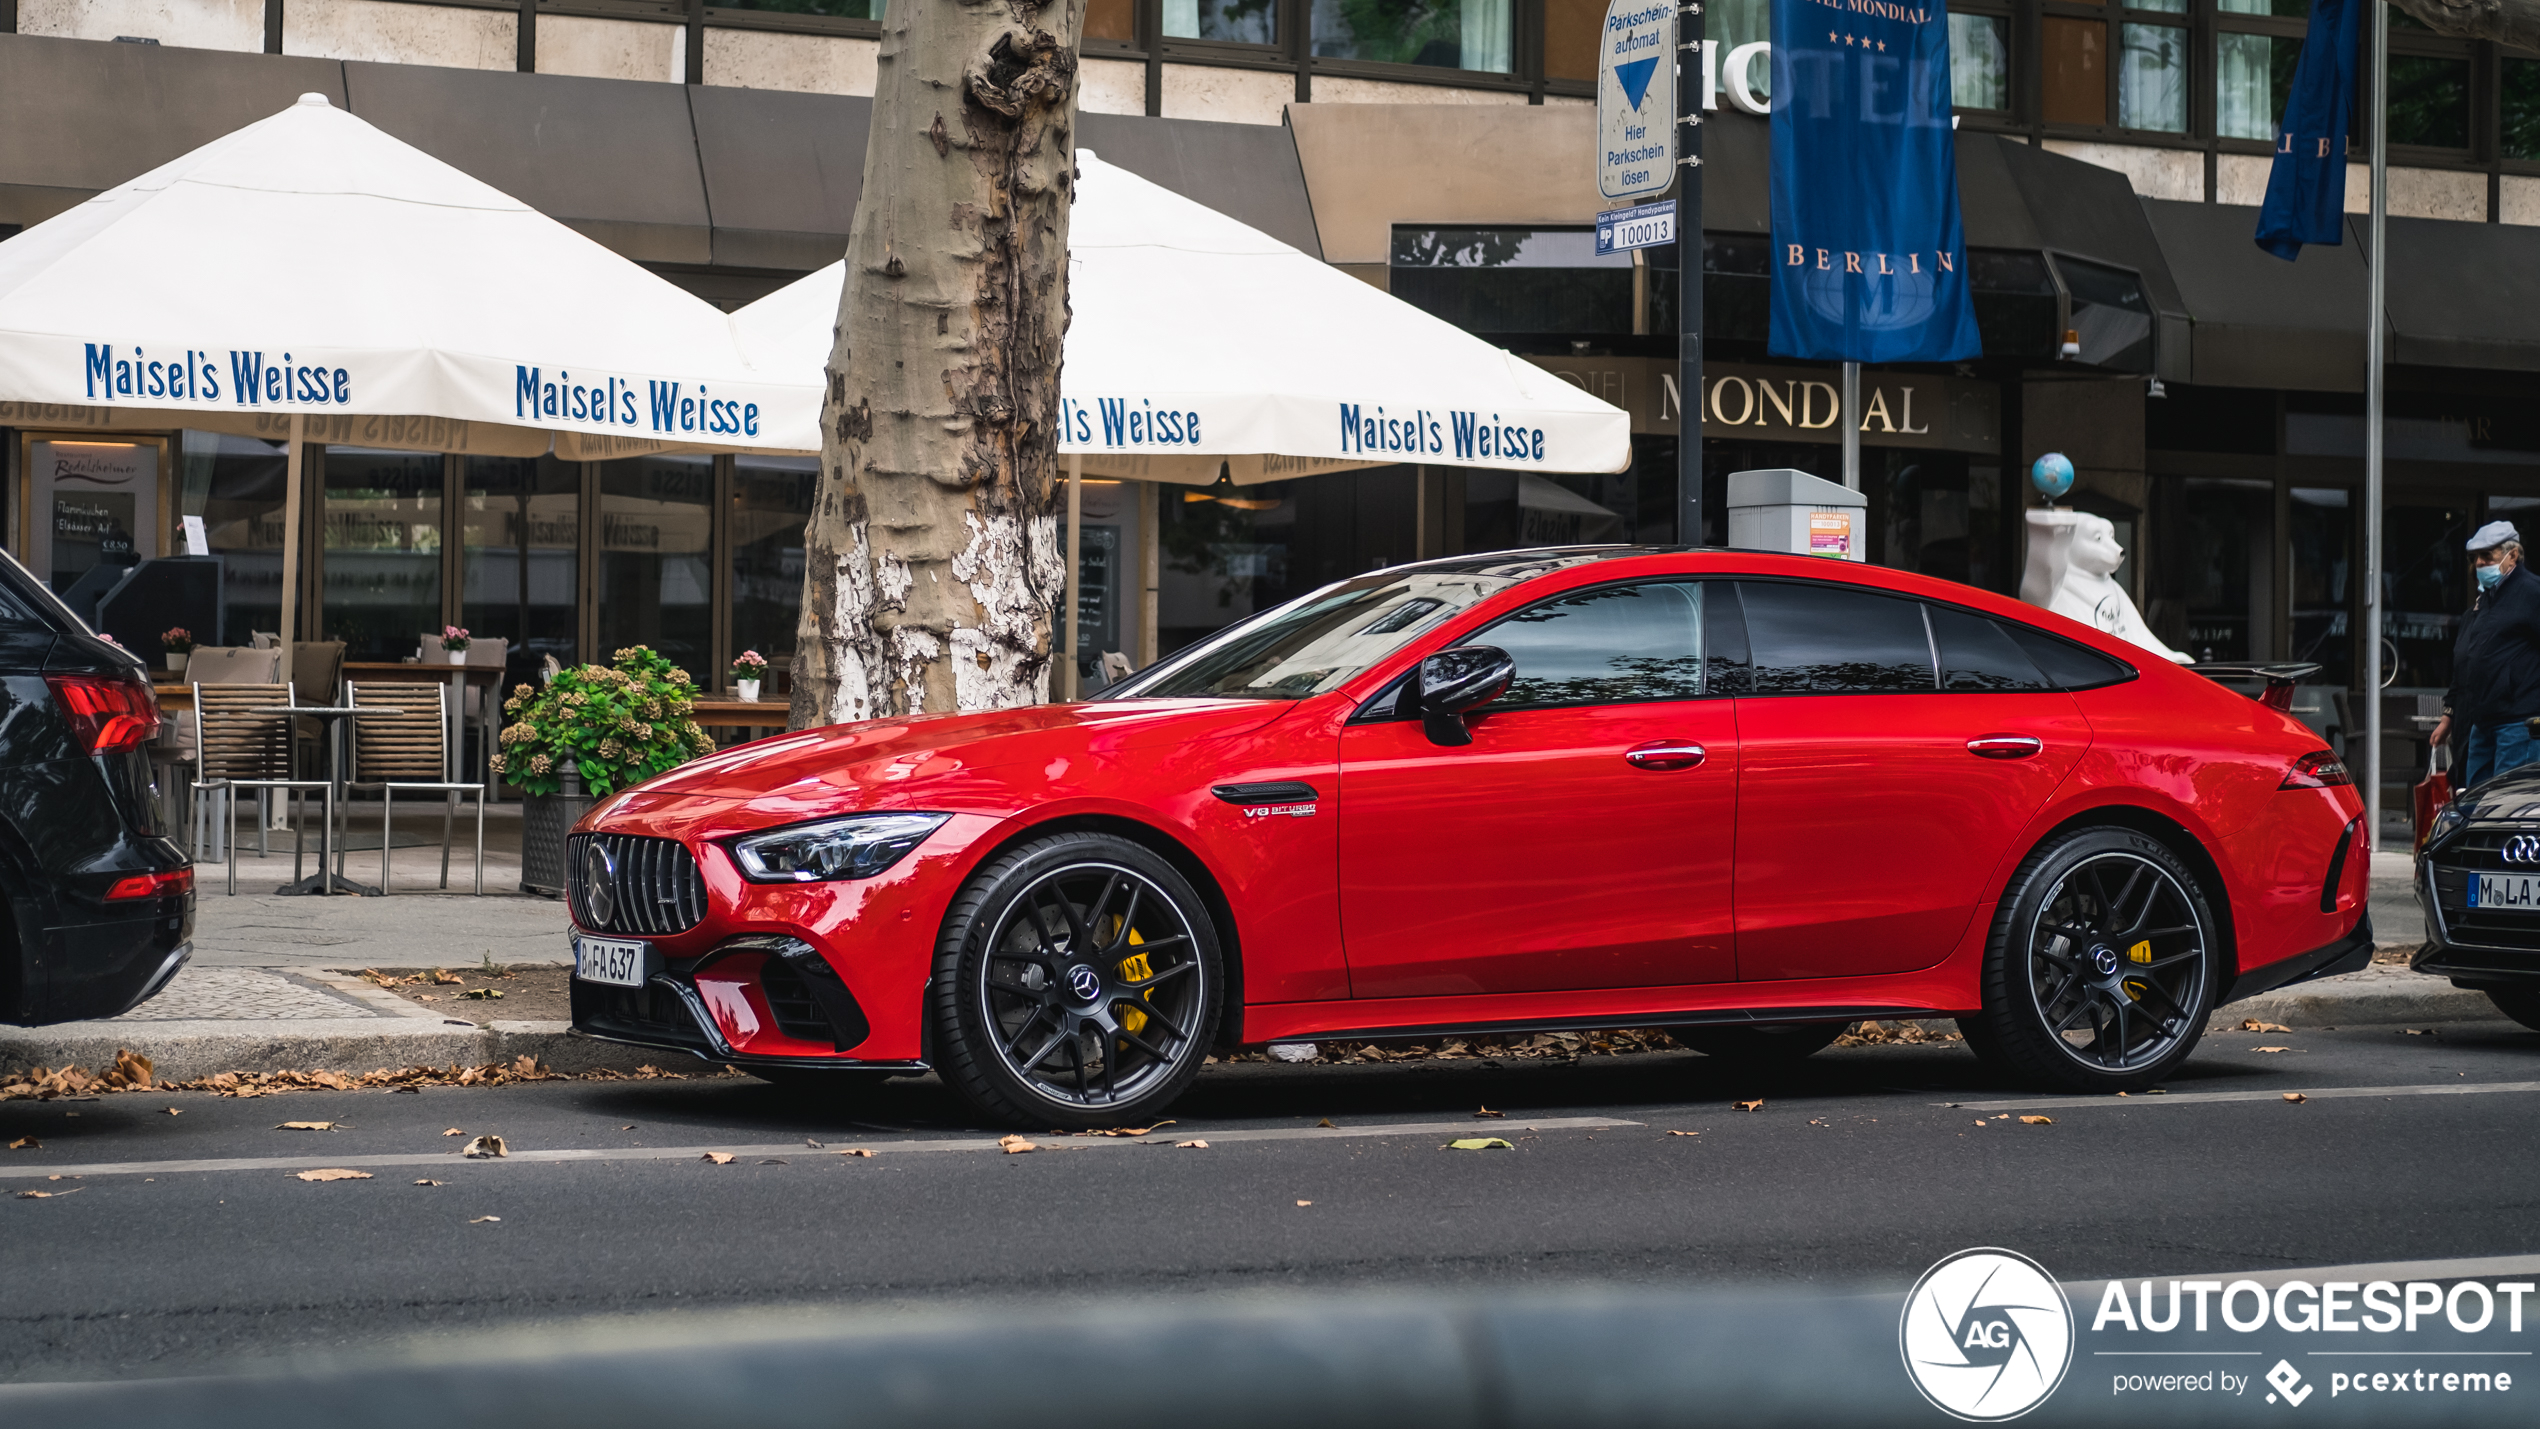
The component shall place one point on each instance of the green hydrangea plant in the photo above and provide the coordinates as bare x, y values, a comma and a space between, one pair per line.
615, 725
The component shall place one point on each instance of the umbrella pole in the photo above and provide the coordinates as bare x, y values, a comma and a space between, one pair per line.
290, 540
1075, 553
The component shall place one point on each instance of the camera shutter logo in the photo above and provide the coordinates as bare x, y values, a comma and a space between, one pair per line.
2523, 848
1987, 1335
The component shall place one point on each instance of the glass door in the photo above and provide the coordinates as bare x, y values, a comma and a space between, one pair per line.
522, 549
94, 509
382, 570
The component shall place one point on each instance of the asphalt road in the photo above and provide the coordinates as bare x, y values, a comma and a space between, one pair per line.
1862, 1166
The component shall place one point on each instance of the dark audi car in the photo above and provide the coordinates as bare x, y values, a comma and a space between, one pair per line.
2478, 879
101, 903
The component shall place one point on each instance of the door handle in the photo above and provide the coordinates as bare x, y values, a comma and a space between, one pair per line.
1665, 754
2005, 746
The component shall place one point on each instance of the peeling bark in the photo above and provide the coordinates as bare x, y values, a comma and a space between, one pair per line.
932, 560
2507, 22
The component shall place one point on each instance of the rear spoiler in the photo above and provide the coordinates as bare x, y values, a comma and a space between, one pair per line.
2269, 683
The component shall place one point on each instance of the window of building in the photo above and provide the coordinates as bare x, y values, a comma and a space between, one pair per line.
2518, 96
521, 523
1979, 62
1113, 20
771, 505
1810, 639
1605, 646
1570, 28
2253, 79
656, 578
1732, 23
2323, 551
2429, 101
235, 484
1240, 22
382, 571
2073, 70
1548, 282
2152, 79
833, 9
1448, 34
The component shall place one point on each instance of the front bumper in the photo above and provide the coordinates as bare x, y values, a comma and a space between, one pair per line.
751, 1001
2475, 948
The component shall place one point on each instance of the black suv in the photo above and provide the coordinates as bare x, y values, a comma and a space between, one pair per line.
2478, 880
101, 903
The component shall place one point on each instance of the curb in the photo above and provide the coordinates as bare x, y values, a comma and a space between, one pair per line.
2383, 993
181, 1052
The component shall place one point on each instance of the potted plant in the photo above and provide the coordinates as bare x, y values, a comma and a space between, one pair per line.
584, 735
748, 668
179, 643
454, 643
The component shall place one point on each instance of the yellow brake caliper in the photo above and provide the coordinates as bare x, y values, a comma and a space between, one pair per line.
1136, 968
2139, 953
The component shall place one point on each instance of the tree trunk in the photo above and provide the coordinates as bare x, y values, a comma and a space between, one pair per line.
932, 563
2507, 22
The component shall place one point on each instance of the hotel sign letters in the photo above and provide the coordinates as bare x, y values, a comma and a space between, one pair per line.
1773, 403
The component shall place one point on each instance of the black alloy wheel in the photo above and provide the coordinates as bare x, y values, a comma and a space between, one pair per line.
1077, 984
2099, 973
1762, 1046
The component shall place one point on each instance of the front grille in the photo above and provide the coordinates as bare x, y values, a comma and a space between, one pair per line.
653, 1014
798, 1014
659, 889
2475, 852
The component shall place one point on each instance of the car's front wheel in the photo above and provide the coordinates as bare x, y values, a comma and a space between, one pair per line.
1077, 984
2099, 973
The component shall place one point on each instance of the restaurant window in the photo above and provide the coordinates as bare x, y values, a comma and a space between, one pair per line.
1449, 34
1979, 62
236, 485
382, 536
1570, 30
2518, 94
771, 507
656, 576
521, 544
1241, 22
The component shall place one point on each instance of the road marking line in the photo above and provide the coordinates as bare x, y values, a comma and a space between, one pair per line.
2485, 1267
2317, 1094
791, 1149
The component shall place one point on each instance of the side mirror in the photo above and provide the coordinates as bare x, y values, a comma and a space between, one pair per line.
1454, 681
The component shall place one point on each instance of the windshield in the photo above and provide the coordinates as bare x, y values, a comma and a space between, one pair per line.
1318, 642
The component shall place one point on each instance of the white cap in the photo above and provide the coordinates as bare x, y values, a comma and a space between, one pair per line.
2494, 534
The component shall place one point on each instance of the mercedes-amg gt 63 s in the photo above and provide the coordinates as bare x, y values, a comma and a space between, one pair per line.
2478, 880
1746, 797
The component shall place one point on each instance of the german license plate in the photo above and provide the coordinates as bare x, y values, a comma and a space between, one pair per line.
2506, 890
608, 960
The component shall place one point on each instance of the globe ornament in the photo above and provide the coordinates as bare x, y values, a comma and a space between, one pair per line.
2052, 475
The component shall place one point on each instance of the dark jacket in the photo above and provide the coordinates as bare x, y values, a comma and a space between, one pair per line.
2496, 661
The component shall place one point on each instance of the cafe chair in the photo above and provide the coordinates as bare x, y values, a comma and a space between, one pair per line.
481, 707
404, 753
172, 752
238, 748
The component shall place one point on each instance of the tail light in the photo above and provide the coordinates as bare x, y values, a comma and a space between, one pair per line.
2318, 769
151, 885
108, 713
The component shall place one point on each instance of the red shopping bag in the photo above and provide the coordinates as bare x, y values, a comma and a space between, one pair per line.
2431, 794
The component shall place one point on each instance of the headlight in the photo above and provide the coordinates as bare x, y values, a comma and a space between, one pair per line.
2448, 818
859, 846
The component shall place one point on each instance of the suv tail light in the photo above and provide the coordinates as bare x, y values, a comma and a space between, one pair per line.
108, 713
2318, 769
151, 885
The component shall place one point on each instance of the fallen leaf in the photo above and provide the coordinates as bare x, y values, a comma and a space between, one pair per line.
1481, 1143
486, 1221
2295, 1097
1327, 1121
485, 1146
1190, 1146
1305, 1203
1126, 1130
1486, 1111
2270, 1049
428, 1181
1016, 1145
454, 1131
306, 1126
48, 1195
1982, 1123
2418, 1031
814, 1145
1757, 1105
443, 978
173, 1111
2037, 1121
856, 1151
2251, 1024
719, 1158
26, 1143
482, 994
1684, 1133
334, 1173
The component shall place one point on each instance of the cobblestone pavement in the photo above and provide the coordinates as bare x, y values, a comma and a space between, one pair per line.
243, 995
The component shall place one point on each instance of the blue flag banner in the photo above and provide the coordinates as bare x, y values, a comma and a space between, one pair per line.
1869, 258
2306, 189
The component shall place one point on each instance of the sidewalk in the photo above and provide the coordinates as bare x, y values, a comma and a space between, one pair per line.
272, 985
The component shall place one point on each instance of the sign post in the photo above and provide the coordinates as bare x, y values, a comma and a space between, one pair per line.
1642, 102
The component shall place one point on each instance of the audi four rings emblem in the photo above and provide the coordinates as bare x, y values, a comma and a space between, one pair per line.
2523, 848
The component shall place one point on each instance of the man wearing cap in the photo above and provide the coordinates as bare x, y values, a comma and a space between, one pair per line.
2496, 661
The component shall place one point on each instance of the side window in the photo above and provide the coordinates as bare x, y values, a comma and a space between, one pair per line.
1977, 655
1608, 645
2068, 666
1807, 638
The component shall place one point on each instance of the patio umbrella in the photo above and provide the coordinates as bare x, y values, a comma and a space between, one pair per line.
309, 277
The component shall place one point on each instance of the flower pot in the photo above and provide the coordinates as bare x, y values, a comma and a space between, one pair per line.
457, 657
545, 820
176, 662
748, 689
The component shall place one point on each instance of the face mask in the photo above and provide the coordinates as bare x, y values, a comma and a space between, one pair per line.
2489, 575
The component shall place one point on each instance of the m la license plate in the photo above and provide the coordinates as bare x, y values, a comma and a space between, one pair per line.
2518, 891
611, 960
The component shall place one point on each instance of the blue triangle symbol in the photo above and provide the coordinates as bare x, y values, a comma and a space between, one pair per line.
1635, 78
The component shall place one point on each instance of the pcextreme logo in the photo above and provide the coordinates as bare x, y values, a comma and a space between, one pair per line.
1986, 1335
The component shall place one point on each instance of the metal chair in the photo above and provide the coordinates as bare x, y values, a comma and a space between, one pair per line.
238, 748
405, 752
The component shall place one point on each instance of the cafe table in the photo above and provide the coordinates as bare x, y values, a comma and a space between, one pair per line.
326, 880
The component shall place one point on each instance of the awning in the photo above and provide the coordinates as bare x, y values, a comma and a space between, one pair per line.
2258, 320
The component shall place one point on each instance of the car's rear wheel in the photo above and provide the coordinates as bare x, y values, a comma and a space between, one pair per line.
2522, 1004
1078, 984
1762, 1046
2099, 973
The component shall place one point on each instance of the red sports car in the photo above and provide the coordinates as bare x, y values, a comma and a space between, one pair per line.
1750, 798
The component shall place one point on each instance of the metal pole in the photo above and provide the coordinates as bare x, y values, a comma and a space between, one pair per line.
1075, 560
1851, 419
1689, 28
290, 542
2378, 254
